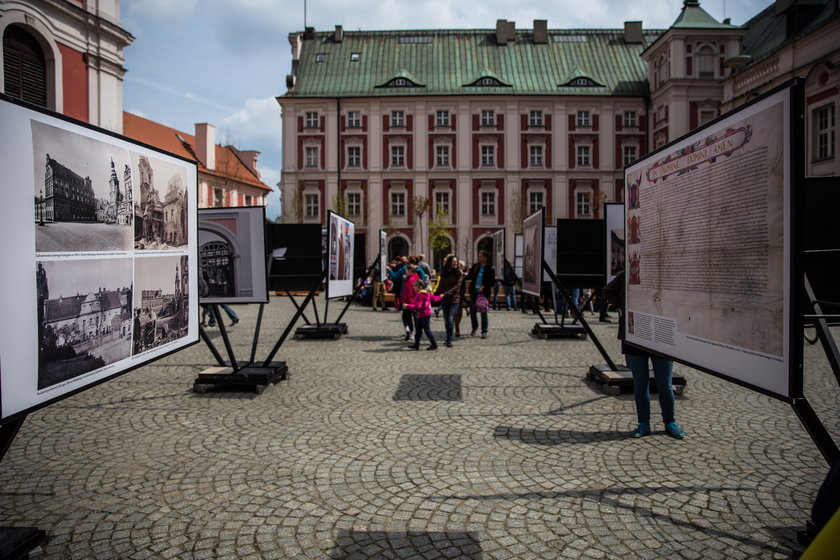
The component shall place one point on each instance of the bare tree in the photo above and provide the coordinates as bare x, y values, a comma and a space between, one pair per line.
419, 206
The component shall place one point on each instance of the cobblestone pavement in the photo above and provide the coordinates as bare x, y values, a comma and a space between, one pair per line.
493, 449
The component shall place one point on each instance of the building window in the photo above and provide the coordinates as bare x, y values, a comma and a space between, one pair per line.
535, 201
442, 118
662, 71
535, 118
583, 118
583, 155
398, 204
311, 156
218, 197
398, 156
442, 155
354, 57
706, 63
310, 204
488, 117
488, 203
354, 119
354, 204
584, 206
248, 200
24, 66
629, 154
825, 131
397, 118
536, 156
630, 119
320, 57
488, 155
442, 203
707, 115
312, 120
354, 156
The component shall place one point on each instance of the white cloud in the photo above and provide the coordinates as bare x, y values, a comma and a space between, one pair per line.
162, 12
258, 122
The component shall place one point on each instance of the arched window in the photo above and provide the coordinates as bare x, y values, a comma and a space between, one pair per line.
397, 247
24, 66
217, 269
706, 62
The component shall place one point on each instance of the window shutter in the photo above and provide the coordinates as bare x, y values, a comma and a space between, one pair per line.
24, 66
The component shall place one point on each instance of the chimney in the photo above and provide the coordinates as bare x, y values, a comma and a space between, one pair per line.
540, 31
205, 144
501, 32
633, 32
339, 34
511, 30
309, 34
249, 158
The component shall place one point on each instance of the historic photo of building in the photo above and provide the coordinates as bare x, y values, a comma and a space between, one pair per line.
160, 220
83, 193
161, 310
84, 317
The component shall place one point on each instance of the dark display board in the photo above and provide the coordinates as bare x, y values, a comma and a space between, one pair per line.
232, 255
99, 253
297, 262
821, 198
581, 257
360, 263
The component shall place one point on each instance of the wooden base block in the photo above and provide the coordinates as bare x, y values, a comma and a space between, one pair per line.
252, 376
555, 330
327, 330
615, 382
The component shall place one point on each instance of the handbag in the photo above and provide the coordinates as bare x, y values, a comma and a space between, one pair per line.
481, 303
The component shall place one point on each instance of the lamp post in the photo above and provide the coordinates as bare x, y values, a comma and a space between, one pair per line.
41, 207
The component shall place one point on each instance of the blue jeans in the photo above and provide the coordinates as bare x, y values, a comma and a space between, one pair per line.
510, 297
474, 319
423, 325
662, 371
574, 293
449, 312
495, 301
231, 313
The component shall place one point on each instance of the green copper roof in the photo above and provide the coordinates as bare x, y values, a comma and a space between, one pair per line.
693, 16
455, 62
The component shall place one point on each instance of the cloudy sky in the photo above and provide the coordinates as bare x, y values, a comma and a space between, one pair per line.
224, 61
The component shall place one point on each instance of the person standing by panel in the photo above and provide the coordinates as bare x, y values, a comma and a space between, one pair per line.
482, 277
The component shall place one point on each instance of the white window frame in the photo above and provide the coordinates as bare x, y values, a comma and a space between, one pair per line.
311, 120
218, 197
312, 205
398, 155
354, 119
583, 155
442, 201
311, 156
583, 204
354, 156
488, 155
630, 120
535, 118
354, 203
398, 204
488, 203
631, 154
583, 118
705, 60
442, 155
535, 155
442, 117
536, 200
488, 117
824, 132
397, 119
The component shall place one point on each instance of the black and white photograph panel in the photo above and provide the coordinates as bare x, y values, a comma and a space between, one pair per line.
83, 193
160, 205
532, 234
84, 316
232, 254
161, 308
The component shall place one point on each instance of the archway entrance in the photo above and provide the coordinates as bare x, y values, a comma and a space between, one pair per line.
486, 244
397, 247
438, 255
217, 269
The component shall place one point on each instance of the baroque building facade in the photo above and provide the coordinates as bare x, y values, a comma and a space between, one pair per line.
452, 134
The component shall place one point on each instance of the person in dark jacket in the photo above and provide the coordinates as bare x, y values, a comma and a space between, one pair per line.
449, 288
509, 280
482, 277
637, 360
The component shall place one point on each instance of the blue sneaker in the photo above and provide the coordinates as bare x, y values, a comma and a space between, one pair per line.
642, 430
673, 429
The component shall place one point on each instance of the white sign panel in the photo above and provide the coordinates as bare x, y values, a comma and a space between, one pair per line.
340, 256
708, 224
383, 256
99, 256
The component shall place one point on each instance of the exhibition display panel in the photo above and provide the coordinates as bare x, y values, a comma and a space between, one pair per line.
100, 259
533, 237
341, 237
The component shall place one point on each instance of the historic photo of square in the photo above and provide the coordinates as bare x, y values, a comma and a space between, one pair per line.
83, 193
160, 211
161, 310
84, 317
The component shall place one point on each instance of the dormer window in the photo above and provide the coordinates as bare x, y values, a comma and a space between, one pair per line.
320, 57
354, 57
400, 82
582, 82
488, 81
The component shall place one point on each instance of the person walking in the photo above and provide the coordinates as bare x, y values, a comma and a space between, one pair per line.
637, 360
421, 305
482, 277
462, 297
509, 280
378, 299
397, 276
234, 318
408, 317
449, 288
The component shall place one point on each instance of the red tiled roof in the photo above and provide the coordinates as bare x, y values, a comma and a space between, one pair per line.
166, 138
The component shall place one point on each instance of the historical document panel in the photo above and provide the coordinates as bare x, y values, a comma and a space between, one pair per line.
707, 240
99, 256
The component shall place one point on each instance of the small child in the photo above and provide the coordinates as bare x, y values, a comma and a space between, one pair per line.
422, 306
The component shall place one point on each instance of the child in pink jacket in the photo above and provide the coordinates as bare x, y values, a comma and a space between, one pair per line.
422, 306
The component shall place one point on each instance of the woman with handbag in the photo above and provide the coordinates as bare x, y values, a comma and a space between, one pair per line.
482, 277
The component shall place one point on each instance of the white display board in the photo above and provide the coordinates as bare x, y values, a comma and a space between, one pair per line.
518, 257
499, 250
340, 236
99, 256
383, 256
550, 251
532, 256
614, 223
708, 231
